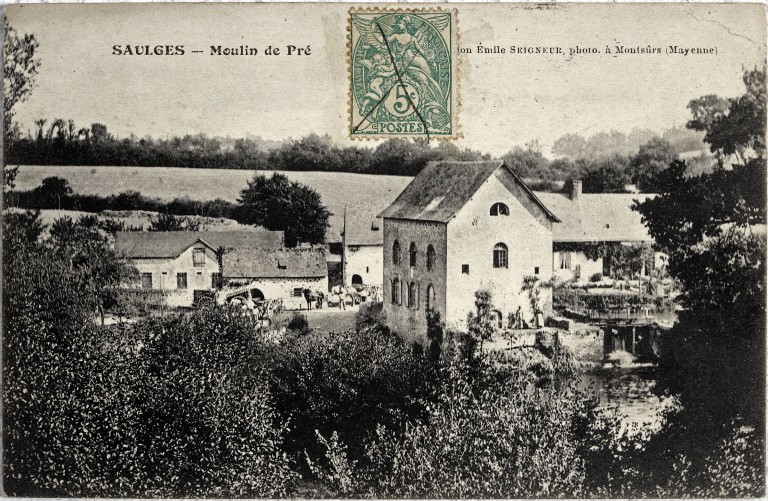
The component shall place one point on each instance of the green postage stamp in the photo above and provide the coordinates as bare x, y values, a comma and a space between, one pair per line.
403, 80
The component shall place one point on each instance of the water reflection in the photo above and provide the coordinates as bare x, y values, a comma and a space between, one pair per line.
630, 390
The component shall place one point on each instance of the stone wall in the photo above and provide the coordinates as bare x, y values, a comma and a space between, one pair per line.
287, 289
410, 322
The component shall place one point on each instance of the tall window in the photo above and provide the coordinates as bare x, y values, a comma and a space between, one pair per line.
500, 256
413, 295
396, 291
198, 257
431, 256
430, 297
412, 255
396, 252
181, 280
499, 209
146, 280
565, 260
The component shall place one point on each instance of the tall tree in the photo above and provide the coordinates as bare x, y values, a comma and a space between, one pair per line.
605, 175
652, 158
528, 161
20, 67
279, 204
712, 227
570, 146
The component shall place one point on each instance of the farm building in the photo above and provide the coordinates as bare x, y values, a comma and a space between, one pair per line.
278, 273
362, 251
459, 227
187, 264
585, 219
591, 219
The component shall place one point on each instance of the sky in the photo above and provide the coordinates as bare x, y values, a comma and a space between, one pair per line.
506, 99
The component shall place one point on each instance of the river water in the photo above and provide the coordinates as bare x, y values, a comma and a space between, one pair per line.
629, 391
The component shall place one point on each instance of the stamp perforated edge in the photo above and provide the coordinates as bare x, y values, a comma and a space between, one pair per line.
456, 78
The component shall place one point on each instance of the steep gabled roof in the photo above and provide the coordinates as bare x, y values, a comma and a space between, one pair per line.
598, 217
275, 263
170, 244
442, 188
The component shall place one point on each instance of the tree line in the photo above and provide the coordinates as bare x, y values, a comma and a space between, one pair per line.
63, 143
607, 168
275, 203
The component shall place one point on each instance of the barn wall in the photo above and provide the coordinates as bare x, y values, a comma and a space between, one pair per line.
366, 261
283, 288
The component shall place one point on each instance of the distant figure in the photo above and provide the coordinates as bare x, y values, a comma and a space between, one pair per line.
539, 320
342, 306
519, 318
308, 297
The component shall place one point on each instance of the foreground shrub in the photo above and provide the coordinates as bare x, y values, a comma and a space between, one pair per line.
172, 408
208, 423
347, 383
510, 439
298, 324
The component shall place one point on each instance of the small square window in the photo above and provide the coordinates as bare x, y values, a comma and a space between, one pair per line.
465, 269
536, 270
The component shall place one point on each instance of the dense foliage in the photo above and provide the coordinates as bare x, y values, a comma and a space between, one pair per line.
712, 226
64, 199
347, 383
209, 404
607, 170
490, 438
278, 204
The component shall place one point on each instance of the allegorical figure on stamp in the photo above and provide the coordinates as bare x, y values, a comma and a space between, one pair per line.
402, 72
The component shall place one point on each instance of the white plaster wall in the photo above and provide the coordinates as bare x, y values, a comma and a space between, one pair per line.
197, 277
472, 235
366, 261
588, 266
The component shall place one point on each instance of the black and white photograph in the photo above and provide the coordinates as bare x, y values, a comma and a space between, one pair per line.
384, 250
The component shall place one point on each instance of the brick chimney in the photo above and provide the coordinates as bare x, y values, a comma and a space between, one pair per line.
576, 190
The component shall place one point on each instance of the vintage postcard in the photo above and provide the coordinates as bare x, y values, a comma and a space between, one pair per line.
384, 250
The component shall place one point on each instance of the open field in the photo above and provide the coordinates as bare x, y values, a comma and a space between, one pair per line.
364, 195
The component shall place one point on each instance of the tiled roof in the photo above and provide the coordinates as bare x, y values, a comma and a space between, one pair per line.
364, 229
599, 217
300, 262
170, 244
442, 188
